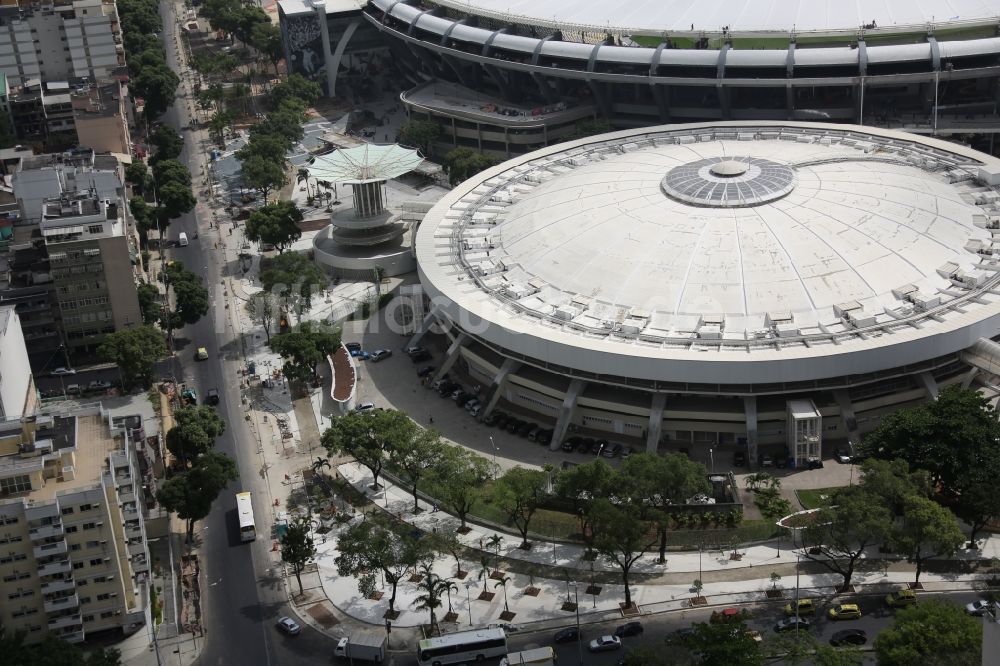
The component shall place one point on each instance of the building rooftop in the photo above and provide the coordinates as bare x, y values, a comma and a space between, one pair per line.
796, 238
684, 16
98, 102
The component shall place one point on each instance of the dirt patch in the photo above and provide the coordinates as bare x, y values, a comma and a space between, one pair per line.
531, 591
415, 578
376, 596
314, 225
568, 606
323, 614
774, 594
486, 596
498, 575
507, 616
629, 611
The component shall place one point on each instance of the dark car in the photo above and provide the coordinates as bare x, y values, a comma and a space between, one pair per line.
613, 450
629, 629
740, 459
501, 420
567, 635
533, 433
463, 398
815, 463
514, 424
353, 346
426, 370
545, 436
586, 445
681, 636
849, 637
447, 389
525, 428
491, 418
571, 444
791, 623
420, 356
212, 397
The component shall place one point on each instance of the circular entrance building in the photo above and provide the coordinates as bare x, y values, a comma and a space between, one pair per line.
768, 285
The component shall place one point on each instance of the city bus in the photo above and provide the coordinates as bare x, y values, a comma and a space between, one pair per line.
244, 512
461, 647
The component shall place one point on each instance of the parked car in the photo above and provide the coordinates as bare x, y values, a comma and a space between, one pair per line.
806, 607
731, 614
426, 370
599, 447
212, 397
980, 608
502, 420
438, 383
815, 463
288, 626
740, 459
99, 385
613, 451
627, 451
475, 411
59, 372
491, 418
463, 398
533, 433
790, 623
629, 629
701, 498
514, 424
570, 444
352, 347
605, 644
842, 456
849, 637
380, 355
365, 407
766, 460
567, 635
471, 404
545, 437
361, 355
201, 354
844, 612
410, 351
781, 460
420, 356
525, 428
586, 445
900, 598
73, 388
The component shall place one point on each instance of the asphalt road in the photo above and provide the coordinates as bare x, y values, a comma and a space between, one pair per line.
242, 598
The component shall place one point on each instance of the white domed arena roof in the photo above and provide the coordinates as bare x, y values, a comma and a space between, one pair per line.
791, 240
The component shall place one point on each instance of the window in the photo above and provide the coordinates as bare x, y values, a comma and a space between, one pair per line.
15, 484
86, 507
95, 229
10, 520
100, 579
70, 529
106, 614
78, 565
81, 582
103, 597
96, 562
93, 544
88, 618
74, 547
84, 600
67, 511
89, 526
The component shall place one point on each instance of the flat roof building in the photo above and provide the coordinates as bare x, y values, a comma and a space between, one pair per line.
17, 387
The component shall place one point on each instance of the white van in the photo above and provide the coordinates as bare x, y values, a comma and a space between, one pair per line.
182, 239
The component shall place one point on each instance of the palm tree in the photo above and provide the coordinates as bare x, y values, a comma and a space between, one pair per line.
503, 582
494, 543
484, 571
448, 590
303, 174
319, 464
433, 587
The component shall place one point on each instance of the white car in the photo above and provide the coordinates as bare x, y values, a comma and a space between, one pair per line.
980, 608
288, 626
605, 644
59, 372
380, 354
365, 407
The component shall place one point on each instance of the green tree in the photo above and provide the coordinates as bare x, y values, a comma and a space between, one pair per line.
297, 547
657, 482
894, 483
266, 38
420, 133
447, 542
463, 163
135, 351
583, 485
157, 85
285, 122
375, 545
368, 437
931, 633
929, 530
432, 588
729, 643
304, 348
271, 147
144, 214
176, 199
622, 537
263, 175
149, 303
262, 309
195, 433
519, 493
458, 479
858, 519
171, 171
414, 457
293, 278
276, 224
586, 128
137, 175
190, 493
53, 651
298, 87
190, 296
167, 142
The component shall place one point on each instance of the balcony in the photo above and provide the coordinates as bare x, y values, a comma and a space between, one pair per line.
62, 604
46, 531
58, 585
42, 511
50, 549
52, 568
65, 621
132, 531
73, 636
140, 564
127, 496
130, 512
136, 549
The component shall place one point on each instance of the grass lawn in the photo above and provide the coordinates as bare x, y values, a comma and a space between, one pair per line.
815, 498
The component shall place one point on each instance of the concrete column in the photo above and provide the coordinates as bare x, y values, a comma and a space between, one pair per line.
929, 383
566, 412
969, 377
421, 330
496, 386
454, 351
655, 422
319, 6
750, 410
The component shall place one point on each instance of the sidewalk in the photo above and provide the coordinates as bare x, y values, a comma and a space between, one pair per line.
725, 581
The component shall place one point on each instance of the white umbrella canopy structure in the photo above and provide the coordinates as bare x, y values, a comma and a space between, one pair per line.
365, 164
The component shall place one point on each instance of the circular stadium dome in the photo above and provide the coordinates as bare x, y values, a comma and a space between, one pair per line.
789, 260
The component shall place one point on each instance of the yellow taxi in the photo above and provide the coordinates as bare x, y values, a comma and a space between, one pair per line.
806, 607
844, 612
901, 598
202, 354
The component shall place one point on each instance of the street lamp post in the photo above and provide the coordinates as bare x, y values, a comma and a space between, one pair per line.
468, 599
579, 638
711, 458
495, 466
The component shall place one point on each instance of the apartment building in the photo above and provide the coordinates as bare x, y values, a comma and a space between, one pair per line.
100, 118
69, 267
73, 553
17, 388
60, 41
